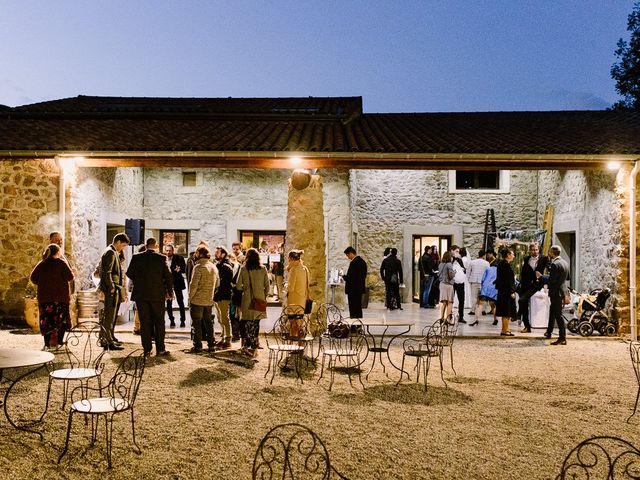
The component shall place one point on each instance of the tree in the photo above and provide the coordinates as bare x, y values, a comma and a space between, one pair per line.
626, 72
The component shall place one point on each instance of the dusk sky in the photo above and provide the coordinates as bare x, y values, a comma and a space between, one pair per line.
400, 56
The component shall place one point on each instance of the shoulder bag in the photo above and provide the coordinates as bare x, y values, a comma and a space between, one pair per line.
256, 304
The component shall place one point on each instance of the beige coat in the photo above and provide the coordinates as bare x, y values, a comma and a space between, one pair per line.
259, 287
298, 289
204, 280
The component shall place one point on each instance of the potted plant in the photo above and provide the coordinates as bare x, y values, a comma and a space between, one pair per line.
31, 312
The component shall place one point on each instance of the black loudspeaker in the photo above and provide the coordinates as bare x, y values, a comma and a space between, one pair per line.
134, 228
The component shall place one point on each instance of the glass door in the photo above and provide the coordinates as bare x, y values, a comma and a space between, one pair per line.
441, 242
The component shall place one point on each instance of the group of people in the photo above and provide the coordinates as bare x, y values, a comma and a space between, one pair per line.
492, 281
234, 285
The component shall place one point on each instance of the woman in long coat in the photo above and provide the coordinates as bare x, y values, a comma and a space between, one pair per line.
52, 276
506, 286
254, 283
298, 285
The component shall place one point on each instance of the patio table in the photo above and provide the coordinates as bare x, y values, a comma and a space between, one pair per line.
16, 358
382, 344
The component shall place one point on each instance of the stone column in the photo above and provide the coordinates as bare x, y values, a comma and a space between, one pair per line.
305, 229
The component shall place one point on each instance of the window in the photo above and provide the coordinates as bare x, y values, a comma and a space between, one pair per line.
178, 238
489, 181
189, 179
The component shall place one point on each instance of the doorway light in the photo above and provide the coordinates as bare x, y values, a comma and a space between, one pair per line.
613, 165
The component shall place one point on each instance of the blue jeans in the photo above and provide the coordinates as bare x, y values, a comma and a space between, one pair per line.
425, 290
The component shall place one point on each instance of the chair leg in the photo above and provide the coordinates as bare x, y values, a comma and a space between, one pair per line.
108, 423
636, 405
451, 355
269, 363
46, 403
94, 429
442, 372
65, 390
360, 371
332, 371
321, 369
401, 370
426, 371
133, 433
418, 363
66, 442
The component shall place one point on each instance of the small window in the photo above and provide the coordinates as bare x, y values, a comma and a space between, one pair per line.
188, 179
489, 181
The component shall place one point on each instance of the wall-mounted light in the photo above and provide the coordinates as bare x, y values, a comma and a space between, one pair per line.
613, 165
68, 165
295, 161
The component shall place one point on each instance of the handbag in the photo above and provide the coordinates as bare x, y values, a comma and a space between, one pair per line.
256, 304
339, 330
308, 306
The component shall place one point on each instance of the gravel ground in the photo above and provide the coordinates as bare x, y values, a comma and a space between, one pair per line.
514, 410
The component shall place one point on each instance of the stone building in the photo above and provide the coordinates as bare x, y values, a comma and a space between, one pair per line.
218, 169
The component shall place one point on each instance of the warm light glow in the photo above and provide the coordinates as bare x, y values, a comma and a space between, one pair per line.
295, 161
68, 165
613, 165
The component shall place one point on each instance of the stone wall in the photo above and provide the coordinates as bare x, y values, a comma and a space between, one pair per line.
100, 196
28, 213
595, 204
224, 199
390, 201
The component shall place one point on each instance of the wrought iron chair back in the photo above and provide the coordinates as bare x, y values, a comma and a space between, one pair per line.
327, 313
634, 351
609, 458
287, 340
292, 451
82, 347
82, 356
118, 396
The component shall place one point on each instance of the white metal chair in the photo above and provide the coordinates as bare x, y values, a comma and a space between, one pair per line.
287, 340
634, 350
83, 356
120, 396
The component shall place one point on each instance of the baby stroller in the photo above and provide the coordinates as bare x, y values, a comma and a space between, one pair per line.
591, 315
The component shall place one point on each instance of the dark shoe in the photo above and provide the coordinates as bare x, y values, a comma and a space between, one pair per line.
115, 340
462, 320
546, 335
484, 313
235, 339
525, 330
172, 324
222, 345
495, 322
400, 308
473, 324
136, 332
182, 325
147, 354
194, 350
559, 342
162, 353
113, 346
211, 349
507, 334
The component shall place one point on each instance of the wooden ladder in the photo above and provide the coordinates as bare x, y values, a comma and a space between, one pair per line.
547, 224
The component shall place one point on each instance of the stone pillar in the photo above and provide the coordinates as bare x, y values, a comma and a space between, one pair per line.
305, 230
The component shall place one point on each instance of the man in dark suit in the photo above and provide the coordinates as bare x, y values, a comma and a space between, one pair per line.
355, 282
112, 286
534, 262
557, 278
391, 273
152, 285
177, 266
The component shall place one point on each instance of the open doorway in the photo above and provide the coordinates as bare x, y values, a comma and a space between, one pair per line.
567, 242
419, 243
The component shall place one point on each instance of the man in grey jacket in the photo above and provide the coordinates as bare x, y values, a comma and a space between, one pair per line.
112, 286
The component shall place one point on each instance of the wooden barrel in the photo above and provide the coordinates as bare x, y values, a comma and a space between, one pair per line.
88, 303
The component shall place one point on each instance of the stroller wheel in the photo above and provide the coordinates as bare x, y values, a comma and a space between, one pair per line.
585, 329
572, 325
611, 330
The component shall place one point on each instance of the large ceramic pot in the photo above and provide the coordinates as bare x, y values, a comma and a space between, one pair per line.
32, 314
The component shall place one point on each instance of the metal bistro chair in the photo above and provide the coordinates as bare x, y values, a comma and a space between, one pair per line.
607, 458
634, 350
287, 340
118, 396
345, 343
83, 359
292, 451
432, 344
326, 314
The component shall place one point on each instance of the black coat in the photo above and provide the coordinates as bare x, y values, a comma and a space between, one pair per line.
151, 278
391, 266
225, 272
528, 278
178, 279
355, 279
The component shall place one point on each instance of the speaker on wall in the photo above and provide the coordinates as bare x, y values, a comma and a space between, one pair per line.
134, 228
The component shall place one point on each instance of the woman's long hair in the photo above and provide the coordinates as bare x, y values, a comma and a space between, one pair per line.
252, 261
50, 251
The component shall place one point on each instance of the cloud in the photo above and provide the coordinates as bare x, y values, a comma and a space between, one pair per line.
574, 100
13, 94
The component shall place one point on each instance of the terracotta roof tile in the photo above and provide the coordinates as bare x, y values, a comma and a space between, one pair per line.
306, 125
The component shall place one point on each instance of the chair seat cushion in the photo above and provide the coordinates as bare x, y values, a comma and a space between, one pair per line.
74, 373
100, 405
286, 347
